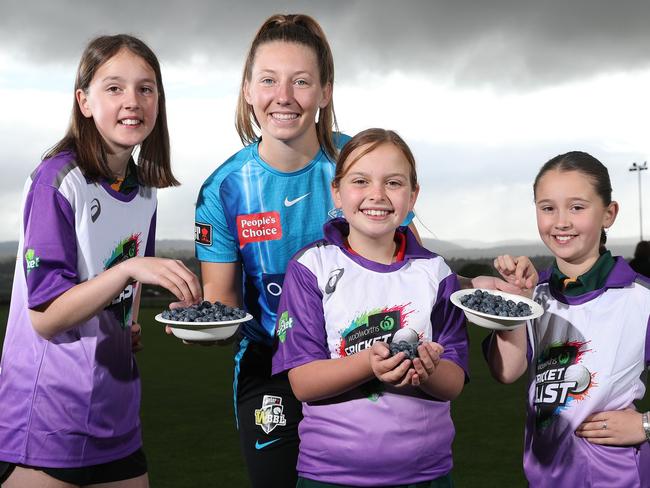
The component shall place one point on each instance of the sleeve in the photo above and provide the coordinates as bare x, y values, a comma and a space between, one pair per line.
150, 249
50, 245
647, 344
300, 327
448, 325
213, 238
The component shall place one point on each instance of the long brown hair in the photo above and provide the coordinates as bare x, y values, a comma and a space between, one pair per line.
300, 29
83, 138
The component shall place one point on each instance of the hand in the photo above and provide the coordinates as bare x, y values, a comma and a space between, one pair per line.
613, 428
136, 337
425, 365
171, 274
394, 370
517, 271
492, 283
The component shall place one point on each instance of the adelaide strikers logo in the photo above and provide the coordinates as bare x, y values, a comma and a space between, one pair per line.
271, 414
561, 379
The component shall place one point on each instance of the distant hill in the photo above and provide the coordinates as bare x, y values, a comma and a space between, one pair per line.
183, 248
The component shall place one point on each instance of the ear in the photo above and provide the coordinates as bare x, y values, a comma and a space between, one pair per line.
336, 196
246, 92
82, 101
414, 197
326, 96
610, 215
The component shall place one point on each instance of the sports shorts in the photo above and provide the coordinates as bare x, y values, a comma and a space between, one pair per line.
268, 415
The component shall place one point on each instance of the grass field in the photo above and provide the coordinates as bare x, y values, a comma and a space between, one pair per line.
191, 442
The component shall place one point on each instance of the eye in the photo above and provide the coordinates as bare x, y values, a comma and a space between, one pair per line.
359, 181
577, 208
394, 184
301, 82
546, 208
113, 89
148, 90
266, 81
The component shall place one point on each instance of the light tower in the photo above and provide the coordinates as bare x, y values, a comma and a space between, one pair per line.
639, 168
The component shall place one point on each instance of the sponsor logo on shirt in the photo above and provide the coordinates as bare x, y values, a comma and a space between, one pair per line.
95, 209
203, 234
284, 324
377, 325
121, 305
333, 279
560, 380
271, 414
291, 203
264, 226
31, 260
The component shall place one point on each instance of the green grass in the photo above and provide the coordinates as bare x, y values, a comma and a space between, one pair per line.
191, 441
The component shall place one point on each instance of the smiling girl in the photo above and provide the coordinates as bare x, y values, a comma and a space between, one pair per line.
586, 355
69, 384
371, 419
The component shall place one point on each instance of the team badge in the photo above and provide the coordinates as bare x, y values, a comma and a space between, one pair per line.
271, 414
203, 234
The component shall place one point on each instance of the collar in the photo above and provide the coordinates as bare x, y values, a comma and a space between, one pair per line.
400, 250
592, 280
620, 275
130, 181
336, 231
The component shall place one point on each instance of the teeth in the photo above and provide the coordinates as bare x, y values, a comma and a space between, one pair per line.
285, 116
130, 122
376, 213
563, 238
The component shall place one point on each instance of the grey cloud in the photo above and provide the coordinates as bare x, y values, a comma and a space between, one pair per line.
507, 44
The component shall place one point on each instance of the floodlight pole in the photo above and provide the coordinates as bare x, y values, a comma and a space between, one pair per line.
639, 168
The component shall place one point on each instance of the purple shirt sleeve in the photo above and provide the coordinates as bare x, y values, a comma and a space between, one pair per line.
300, 326
50, 245
647, 343
150, 249
448, 325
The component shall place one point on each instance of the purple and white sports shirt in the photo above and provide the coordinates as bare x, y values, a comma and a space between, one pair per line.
74, 400
587, 354
335, 304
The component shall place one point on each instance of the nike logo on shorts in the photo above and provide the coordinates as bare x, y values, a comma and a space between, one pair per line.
289, 203
261, 445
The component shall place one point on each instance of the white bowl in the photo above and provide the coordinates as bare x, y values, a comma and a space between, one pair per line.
204, 331
494, 321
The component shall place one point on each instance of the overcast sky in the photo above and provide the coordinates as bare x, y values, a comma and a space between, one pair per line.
485, 92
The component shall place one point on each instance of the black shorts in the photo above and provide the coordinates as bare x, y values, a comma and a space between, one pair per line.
268, 415
128, 467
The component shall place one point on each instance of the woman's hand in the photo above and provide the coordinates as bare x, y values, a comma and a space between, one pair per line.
613, 428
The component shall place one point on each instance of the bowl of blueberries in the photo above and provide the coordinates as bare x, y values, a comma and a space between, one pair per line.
206, 321
496, 309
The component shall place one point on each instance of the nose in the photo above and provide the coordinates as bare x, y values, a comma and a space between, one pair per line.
377, 192
284, 93
131, 100
562, 221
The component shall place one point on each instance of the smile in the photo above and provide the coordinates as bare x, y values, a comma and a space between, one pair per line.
283, 116
130, 122
563, 239
375, 213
